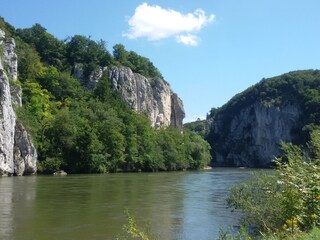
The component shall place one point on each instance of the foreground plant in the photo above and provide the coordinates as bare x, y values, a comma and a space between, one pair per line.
133, 231
286, 201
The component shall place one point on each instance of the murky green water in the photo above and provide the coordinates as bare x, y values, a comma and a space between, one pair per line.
178, 205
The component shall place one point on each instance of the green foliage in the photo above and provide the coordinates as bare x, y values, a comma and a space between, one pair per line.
49, 165
286, 202
97, 132
63, 55
311, 235
91, 131
89, 53
212, 113
120, 53
259, 200
137, 63
36, 100
307, 235
242, 234
199, 127
61, 85
7, 28
50, 49
300, 88
197, 150
29, 63
132, 230
1, 51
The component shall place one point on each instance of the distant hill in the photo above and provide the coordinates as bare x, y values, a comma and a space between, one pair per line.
248, 129
200, 127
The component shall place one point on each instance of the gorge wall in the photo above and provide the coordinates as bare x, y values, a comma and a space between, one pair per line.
253, 136
153, 97
249, 128
18, 155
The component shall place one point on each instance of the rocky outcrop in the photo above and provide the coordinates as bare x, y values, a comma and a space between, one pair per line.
25, 154
17, 154
252, 137
16, 95
7, 126
153, 97
9, 58
177, 112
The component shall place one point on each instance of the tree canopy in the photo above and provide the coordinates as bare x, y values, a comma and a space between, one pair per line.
92, 131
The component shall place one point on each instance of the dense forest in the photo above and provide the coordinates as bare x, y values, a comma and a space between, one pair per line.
91, 131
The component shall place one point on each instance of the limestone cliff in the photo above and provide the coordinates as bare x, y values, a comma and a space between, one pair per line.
153, 97
17, 154
248, 130
254, 135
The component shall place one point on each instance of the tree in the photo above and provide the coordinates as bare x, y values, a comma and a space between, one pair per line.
29, 63
90, 54
120, 54
50, 49
61, 85
289, 200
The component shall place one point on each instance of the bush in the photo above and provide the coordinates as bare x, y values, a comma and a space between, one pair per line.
50, 165
132, 230
287, 201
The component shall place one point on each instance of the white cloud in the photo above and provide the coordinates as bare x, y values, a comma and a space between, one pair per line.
155, 23
189, 39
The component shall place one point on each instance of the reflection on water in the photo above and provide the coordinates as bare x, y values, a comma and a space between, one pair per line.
6, 198
180, 205
17, 196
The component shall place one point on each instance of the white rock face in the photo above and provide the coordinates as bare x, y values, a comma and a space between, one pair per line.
25, 154
151, 96
16, 95
2, 36
9, 56
17, 154
7, 126
254, 135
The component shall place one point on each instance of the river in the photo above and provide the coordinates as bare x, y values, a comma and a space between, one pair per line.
177, 205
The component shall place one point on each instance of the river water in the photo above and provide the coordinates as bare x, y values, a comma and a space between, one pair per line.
177, 205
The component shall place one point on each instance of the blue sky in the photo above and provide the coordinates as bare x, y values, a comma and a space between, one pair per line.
207, 50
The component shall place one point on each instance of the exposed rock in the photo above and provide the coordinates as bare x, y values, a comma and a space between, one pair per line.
78, 72
10, 59
2, 36
254, 135
60, 173
7, 126
17, 153
90, 82
177, 112
151, 96
16, 95
94, 78
25, 154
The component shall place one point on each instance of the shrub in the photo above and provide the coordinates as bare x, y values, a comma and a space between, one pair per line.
288, 200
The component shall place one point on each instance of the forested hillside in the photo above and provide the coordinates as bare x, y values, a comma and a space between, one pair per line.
248, 130
85, 130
